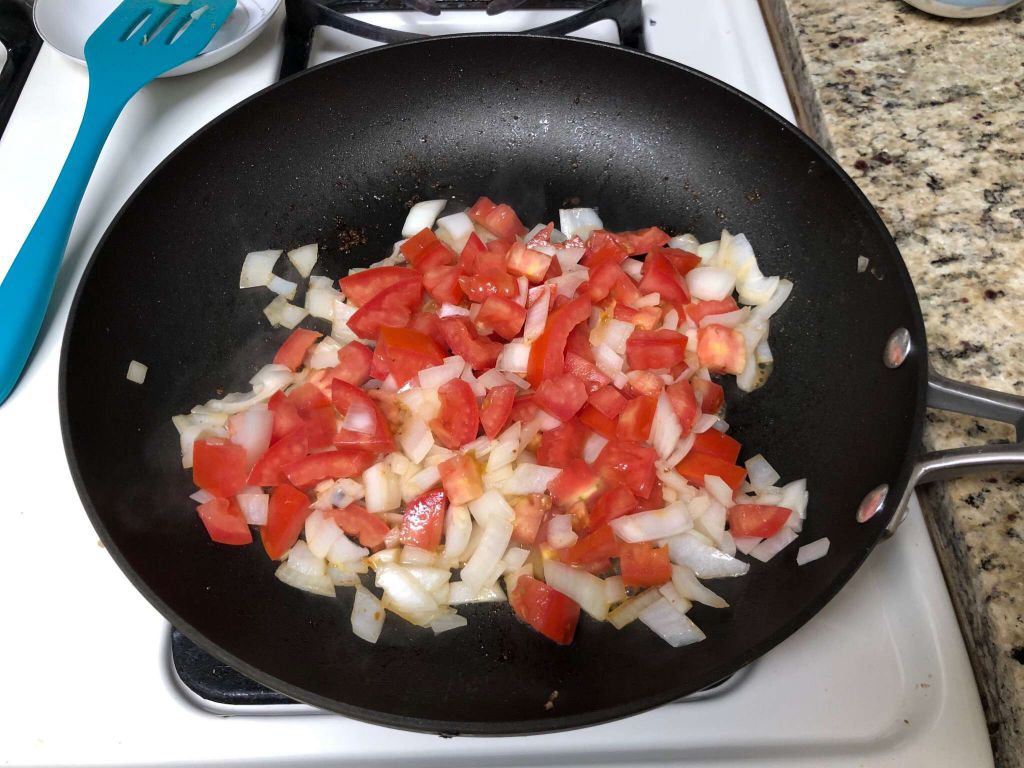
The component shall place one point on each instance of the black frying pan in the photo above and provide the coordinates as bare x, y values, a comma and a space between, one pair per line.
333, 155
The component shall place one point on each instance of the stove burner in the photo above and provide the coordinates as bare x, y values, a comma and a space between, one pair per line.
21, 43
304, 16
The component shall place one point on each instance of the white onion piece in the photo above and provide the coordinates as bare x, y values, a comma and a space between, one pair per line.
384, 557
505, 448
665, 428
746, 544
403, 590
491, 506
339, 324
301, 558
258, 268
653, 524
448, 621
704, 422
433, 580
770, 547
512, 577
321, 533
325, 354
452, 310
613, 334
608, 361
519, 381
343, 578
578, 221
585, 588
707, 251
201, 496
479, 390
567, 283
529, 478
650, 300
703, 559
435, 377
546, 421
634, 268
515, 558
794, 496
719, 490
671, 320
630, 610
136, 372
458, 527
687, 242
560, 532
491, 546
614, 590
728, 319
536, 318
420, 482
424, 403
760, 473
252, 430
710, 283
568, 258
593, 446
682, 449
676, 600
458, 227
415, 439
766, 310
736, 255
367, 615
493, 481
462, 593
763, 352
689, 586
670, 625
360, 418
268, 380
422, 216
304, 258
344, 551
514, 357
712, 522
317, 584
383, 492
759, 290
288, 315
816, 550
282, 287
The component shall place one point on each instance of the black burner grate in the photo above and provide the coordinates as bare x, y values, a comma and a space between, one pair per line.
19, 37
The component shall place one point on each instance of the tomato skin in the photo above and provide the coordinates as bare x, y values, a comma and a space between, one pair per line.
293, 351
341, 462
496, 408
354, 520
701, 309
470, 251
224, 521
561, 445
643, 565
695, 466
594, 551
760, 520
613, 503
684, 403
598, 422
578, 481
659, 276
360, 287
646, 350
561, 396
423, 521
533, 265
442, 283
460, 478
711, 394
286, 516
529, 512
584, 369
392, 306
629, 464
498, 219
547, 355
463, 340
406, 352
353, 364
609, 401
636, 418
219, 466
683, 261
640, 241
459, 420
721, 349
717, 444
545, 609
503, 316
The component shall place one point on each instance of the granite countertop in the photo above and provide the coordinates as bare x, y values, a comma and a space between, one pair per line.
927, 116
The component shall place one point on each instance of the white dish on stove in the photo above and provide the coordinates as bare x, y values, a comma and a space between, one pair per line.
67, 24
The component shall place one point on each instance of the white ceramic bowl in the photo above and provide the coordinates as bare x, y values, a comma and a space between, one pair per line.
67, 24
963, 9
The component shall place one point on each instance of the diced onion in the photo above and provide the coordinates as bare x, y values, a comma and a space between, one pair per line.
712, 522
344, 551
816, 550
515, 558
452, 310
415, 439
361, 418
529, 478
325, 354
608, 361
862, 264
254, 507
448, 621
593, 446
703, 559
491, 506
707, 251
258, 268
758, 290
280, 313
634, 268
422, 216
614, 590
458, 227
670, 625
653, 524
770, 547
420, 482
282, 287
560, 532
462, 593
367, 615
630, 610
710, 283
578, 221
514, 357
201, 496
794, 496
321, 298
492, 545
676, 600
568, 258
383, 492
505, 448
690, 587
613, 334
760, 473
403, 589
746, 544
704, 422
479, 390
719, 490
136, 372
585, 588
435, 377
687, 242
339, 323
536, 318
671, 320
764, 311
458, 527
304, 258
665, 428
567, 283
682, 449
728, 319
252, 429
321, 533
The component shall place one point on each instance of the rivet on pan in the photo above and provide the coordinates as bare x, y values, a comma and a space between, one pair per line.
872, 503
897, 348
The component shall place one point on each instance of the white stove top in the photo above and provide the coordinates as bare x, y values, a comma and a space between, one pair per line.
879, 677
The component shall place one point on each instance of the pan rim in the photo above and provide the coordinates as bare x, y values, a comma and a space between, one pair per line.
554, 722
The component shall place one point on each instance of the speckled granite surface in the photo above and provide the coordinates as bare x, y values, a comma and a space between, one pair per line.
927, 116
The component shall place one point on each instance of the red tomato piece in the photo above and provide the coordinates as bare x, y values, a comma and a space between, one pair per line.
503, 316
343, 395
659, 276
545, 609
354, 520
523, 409
423, 521
494, 258
286, 416
613, 503
490, 283
643, 565
593, 551
547, 355
576, 482
608, 400
584, 369
434, 257
760, 520
341, 462
464, 341
701, 309
655, 501
496, 409
636, 418
684, 403
353, 364
308, 397
360, 287
407, 352
717, 444
578, 344
603, 247
655, 349
625, 291
442, 283
499, 219
543, 237
459, 420
640, 241
470, 251
598, 422
529, 511
629, 464
533, 265
269, 468
224, 521
721, 349
460, 478
645, 319
392, 306
644, 383
219, 466
293, 351
286, 516
695, 466
416, 245
710, 394
683, 261
321, 426
561, 445
561, 396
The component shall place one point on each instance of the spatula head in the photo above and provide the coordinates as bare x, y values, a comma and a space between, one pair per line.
142, 39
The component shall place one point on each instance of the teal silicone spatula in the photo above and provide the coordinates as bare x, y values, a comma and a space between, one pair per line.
139, 41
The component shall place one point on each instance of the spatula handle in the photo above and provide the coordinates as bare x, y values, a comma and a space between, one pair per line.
25, 291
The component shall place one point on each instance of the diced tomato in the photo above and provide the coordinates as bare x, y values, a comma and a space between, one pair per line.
684, 403
423, 521
643, 565
659, 276
407, 352
393, 306
630, 464
360, 287
598, 422
494, 258
415, 246
584, 369
545, 609
625, 291
636, 419
435, 257
224, 521
321, 426
442, 284
547, 355
341, 462
529, 511
613, 503
353, 363
701, 309
293, 351
429, 324
343, 395
717, 444
655, 349
286, 416
490, 283
459, 420
608, 400
499, 219
354, 520
467, 259
644, 383
219, 466
593, 551
554, 270
695, 466
533, 265
576, 482
721, 349
379, 364
711, 394
640, 241
543, 237
603, 247
523, 409
645, 319
561, 445
760, 520
464, 341
496, 409
683, 261
286, 515
308, 397
503, 316
561, 396
460, 477
269, 468
655, 501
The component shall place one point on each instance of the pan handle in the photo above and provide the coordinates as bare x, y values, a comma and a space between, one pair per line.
948, 395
